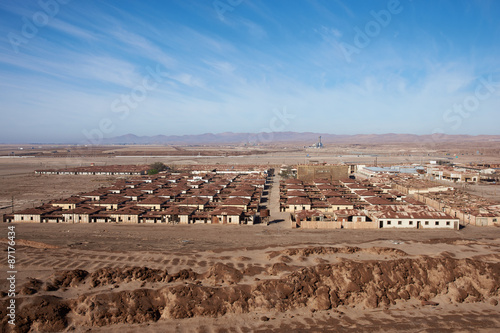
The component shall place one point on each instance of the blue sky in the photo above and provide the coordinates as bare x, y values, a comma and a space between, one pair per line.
73, 71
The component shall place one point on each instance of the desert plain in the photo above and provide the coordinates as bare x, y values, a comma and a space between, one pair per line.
242, 278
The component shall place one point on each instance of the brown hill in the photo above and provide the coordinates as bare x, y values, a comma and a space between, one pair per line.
305, 137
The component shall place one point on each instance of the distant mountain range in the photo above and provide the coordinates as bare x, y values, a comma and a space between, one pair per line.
305, 138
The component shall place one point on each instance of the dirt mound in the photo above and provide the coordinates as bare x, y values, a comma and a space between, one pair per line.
64, 279
143, 305
323, 250
251, 270
280, 267
31, 287
183, 274
368, 284
137, 306
106, 276
193, 301
37, 314
376, 284
285, 259
221, 273
385, 251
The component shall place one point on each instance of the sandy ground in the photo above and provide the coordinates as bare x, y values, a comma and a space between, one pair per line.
222, 278
260, 253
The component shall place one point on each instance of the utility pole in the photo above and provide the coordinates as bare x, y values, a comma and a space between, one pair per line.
12, 205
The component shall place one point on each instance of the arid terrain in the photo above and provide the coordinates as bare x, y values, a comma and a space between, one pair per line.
206, 278
240, 278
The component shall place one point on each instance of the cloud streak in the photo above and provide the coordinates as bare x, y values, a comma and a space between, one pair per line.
230, 75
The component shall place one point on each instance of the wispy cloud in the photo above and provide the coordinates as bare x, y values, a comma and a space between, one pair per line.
73, 30
218, 76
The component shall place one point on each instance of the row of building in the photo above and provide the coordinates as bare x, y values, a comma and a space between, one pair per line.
324, 197
463, 174
202, 197
353, 204
433, 171
109, 170
468, 208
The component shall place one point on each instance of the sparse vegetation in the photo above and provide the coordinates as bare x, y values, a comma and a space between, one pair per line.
287, 173
156, 167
